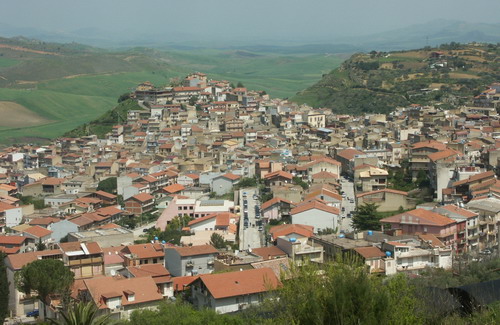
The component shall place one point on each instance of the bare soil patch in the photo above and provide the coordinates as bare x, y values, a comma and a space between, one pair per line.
456, 75
15, 115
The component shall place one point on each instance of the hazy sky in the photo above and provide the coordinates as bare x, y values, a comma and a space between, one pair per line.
230, 19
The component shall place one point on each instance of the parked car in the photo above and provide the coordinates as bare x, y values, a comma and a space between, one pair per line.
261, 228
486, 251
33, 313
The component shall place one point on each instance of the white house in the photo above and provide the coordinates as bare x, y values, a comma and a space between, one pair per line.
233, 291
11, 215
316, 214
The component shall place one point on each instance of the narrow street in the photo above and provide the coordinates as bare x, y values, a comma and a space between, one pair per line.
249, 234
349, 204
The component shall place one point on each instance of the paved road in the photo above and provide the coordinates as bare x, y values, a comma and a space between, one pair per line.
140, 231
348, 189
250, 237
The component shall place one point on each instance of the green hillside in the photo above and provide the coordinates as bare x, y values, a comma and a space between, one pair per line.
72, 84
380, 81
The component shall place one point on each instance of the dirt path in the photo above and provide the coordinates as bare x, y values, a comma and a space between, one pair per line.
23, 49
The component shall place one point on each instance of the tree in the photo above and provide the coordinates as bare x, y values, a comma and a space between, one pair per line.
247, 182
217, 241
108, 185
240, 85
40, 246
366, 217
82, 314
300, 182
4, 289
45, 277
123, 97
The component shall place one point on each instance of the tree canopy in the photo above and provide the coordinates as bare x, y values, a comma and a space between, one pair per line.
108, 185
82, 314
217, 241
4, 289
366, 217
45, 277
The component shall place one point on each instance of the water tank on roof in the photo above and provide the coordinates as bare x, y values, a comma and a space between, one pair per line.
163, 242
388, 253
341, 236
370, 233
293, 240
156, 238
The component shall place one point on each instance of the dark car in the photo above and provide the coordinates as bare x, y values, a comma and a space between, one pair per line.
33, 313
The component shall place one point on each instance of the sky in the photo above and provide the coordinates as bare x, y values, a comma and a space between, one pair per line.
286, 20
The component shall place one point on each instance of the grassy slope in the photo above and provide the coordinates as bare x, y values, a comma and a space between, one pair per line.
80, 84
351, 89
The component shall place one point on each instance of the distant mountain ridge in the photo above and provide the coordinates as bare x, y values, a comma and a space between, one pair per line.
431, 33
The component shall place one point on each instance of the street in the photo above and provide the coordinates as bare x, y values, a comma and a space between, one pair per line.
348, 189
249, 234
140, 231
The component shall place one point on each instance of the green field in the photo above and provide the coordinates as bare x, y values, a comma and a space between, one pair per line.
77, 86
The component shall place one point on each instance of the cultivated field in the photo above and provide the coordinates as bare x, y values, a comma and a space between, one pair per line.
15, 115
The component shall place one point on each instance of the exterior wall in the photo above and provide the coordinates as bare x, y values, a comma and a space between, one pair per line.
13, 217
324, 166
178, 266
129, 191
221, 185
271, 213
224, 305
387, 201
204, 225
61, 229
319, 219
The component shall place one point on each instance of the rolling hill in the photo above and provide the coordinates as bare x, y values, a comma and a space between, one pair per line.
62, 86
380, 81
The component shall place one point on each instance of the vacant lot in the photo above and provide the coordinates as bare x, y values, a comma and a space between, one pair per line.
15, 115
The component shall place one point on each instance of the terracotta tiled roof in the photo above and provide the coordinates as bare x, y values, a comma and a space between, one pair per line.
369, 252
17, 261
273, 201
142, 251
195, 250
144, 289
434, 241
182, 283
474, 178
425, 217
231, 176
269, 252
38, 231
463, 212
430, 144
240, 283
142, 197
349, 153
12, 240
279, 173
106, 194
287, 229
314, 205
387, 190
174, 188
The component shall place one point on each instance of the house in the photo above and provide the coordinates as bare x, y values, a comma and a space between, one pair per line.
291, 230
105, 197
421, 221
233, 291
38, 234
224, 184
121, 296
140, 254
158, 272
140, 203
331, 197
85, 260
19, 303
15, 244
45, 186
225, 221
276, 208
316, 214
190, 260
301, 249
278, 178
10, 215
372, 179
373, 257
270, 252
386, 200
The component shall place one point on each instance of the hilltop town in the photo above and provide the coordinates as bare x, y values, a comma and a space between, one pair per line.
217, 190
